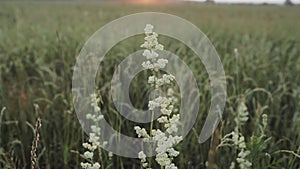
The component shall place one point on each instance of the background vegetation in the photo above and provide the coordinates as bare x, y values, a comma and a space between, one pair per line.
39, 43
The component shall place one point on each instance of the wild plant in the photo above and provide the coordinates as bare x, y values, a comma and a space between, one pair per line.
170, 117
248, 150
1, 116
34, 146
93, 144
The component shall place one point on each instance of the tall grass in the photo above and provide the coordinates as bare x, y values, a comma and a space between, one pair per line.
39, 43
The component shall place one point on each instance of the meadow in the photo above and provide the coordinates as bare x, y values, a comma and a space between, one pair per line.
39, 42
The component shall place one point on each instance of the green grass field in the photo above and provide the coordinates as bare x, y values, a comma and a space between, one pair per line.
39, 43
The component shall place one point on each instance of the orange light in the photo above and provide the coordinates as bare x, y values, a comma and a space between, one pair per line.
145, 1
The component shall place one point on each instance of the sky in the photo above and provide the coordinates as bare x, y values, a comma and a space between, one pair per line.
253, 1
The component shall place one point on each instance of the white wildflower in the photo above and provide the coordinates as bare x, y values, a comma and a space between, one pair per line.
241, 142
145, 165
86, 145
89, 116
164, 102
160, 137
242, 114
151, 79
95, 166
151, 40
146, 45
94, 139
265, 120
160, 63
177, 139
171, 166
110, 154
99, 117
153, 104
88, 155
163, 159
168, 78
165, 140
90, 147
146, 53
147, 65
148, 29
172, 152
236, 52
243, 154
165, 111
238, 140
232, 165
104, 143
243, 162
85, 165
141, 132
163, 119
95, 129
94, 102
150, 54
235, 138
172, 129
175, 118
94, 117
159, 47
137, 128
170, 92
142, 156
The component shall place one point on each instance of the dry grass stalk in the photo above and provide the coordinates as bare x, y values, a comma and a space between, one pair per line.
35, 142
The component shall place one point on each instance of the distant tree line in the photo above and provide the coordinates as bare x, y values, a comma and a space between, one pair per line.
210, 1
288, 2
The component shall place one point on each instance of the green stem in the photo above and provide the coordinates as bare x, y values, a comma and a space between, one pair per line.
1, 115
151, 127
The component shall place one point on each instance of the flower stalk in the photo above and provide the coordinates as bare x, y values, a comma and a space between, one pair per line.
170, 117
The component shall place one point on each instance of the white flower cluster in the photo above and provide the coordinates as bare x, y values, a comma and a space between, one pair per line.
236, 138
265, 121
91, 146
243, 162
94, 102
162, 102
141, 132
158, 82
232, 165
151, 44
239, 139
142, 156
165, 141
94, 139
239, 142
242, 115
165, 150
90, 166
